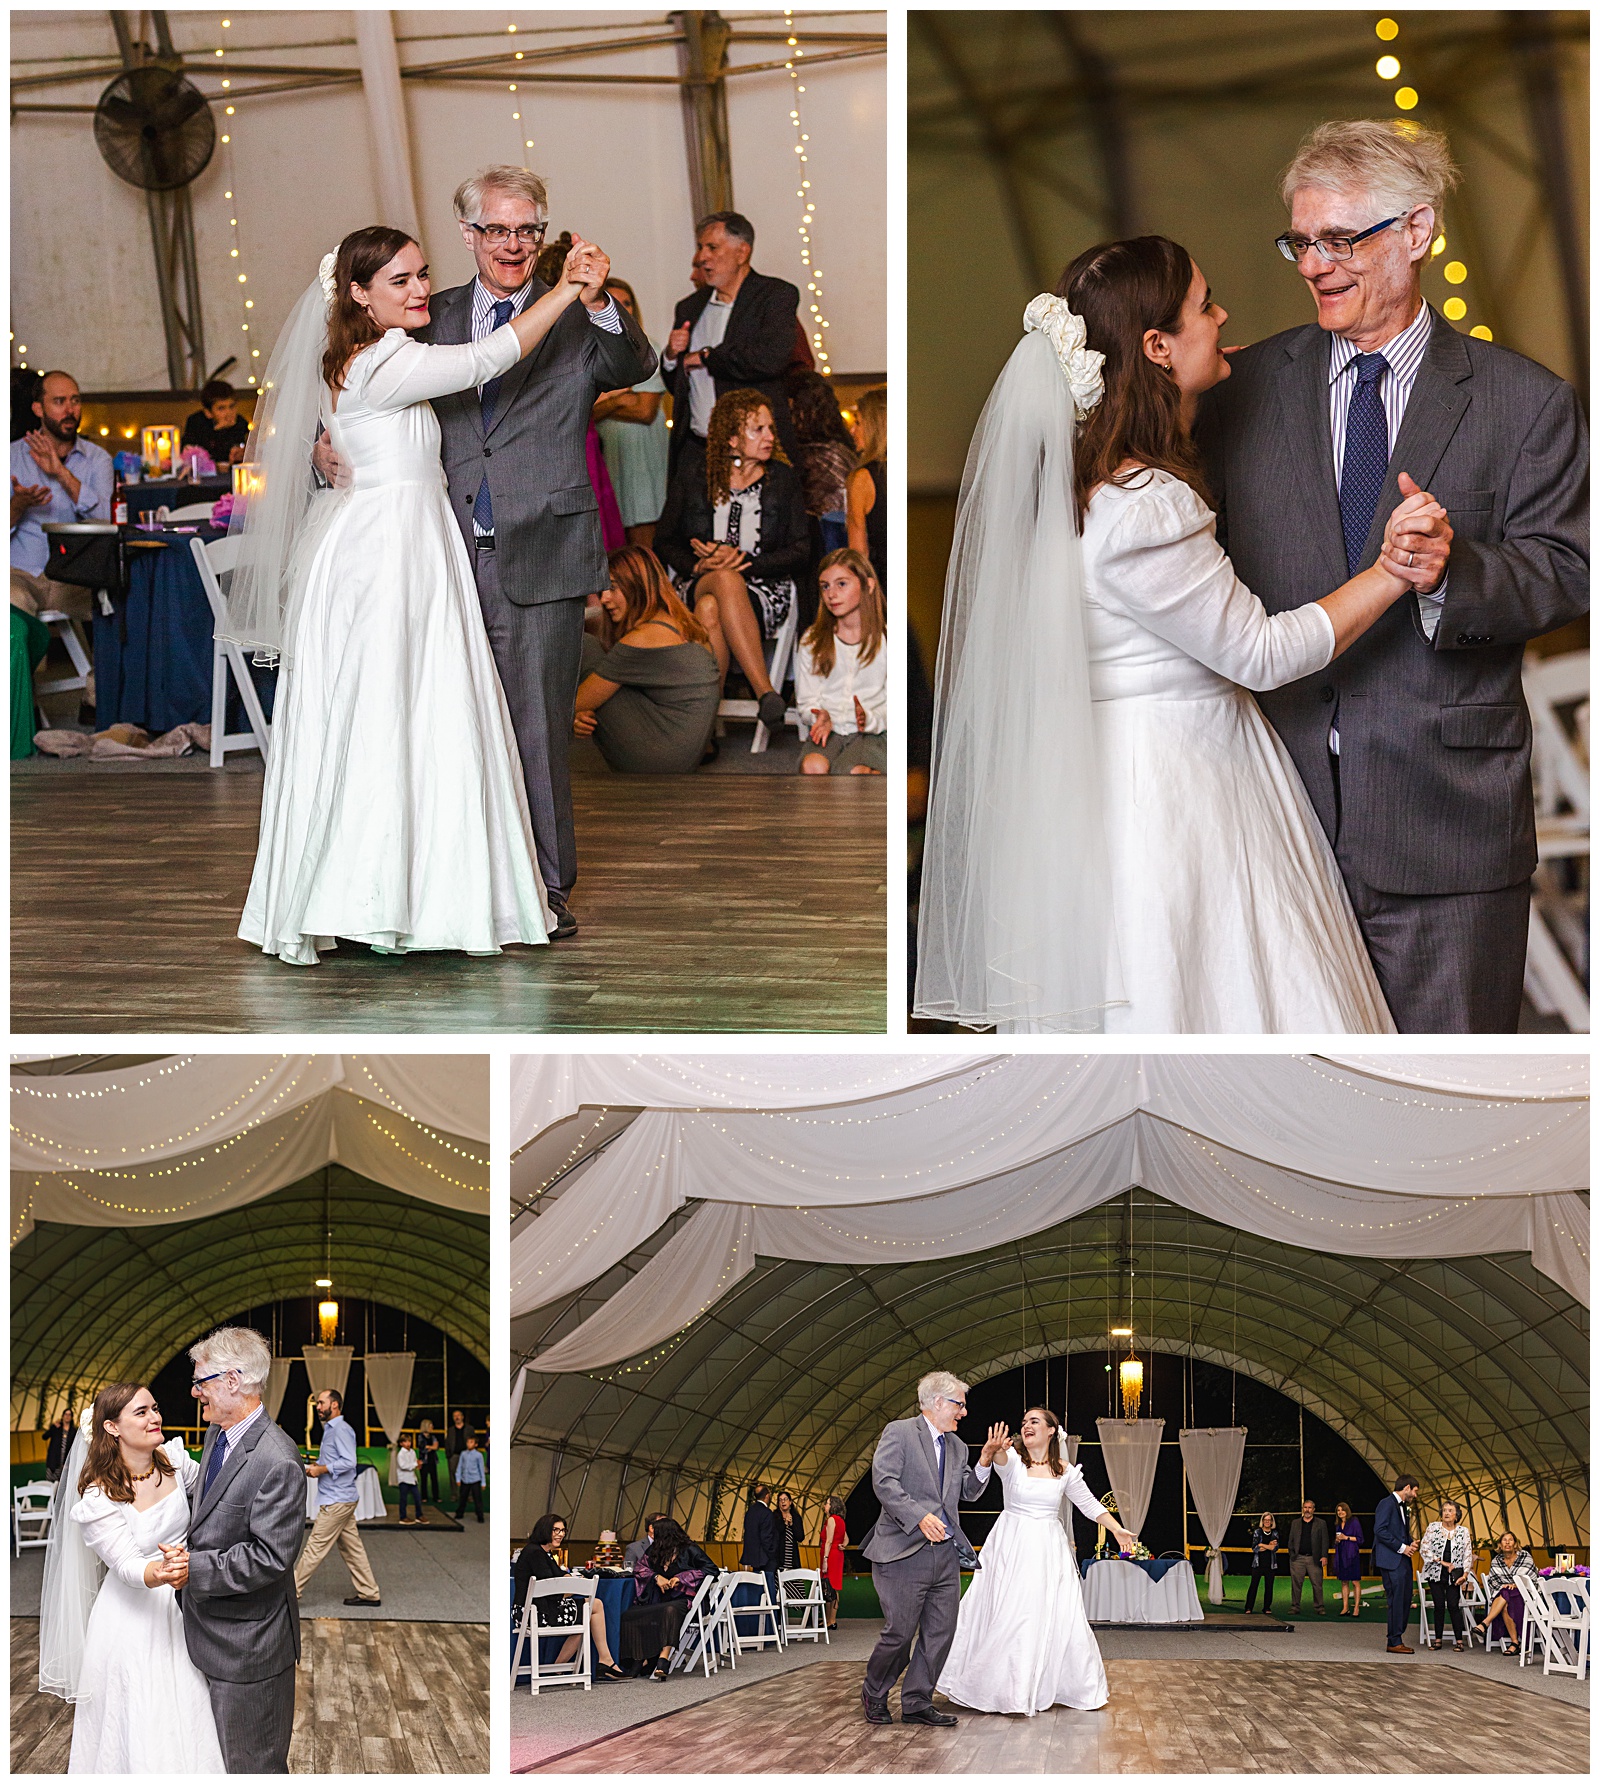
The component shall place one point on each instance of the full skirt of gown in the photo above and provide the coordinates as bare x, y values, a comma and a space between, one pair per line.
394, 811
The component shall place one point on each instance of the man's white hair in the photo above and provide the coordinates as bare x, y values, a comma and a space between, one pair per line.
237, 1348
1394, 162
940, 1385
518, 181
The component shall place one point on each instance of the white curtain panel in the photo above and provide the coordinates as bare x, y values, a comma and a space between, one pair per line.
279, 1121
1534, 1076
386, 120
448, 1091
548, 1087
277, 1381
1213, 1459
514, 1410
1131, 1448
389, 1383
328, 1366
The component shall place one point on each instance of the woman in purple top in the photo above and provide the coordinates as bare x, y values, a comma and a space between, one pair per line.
1347, 1535
665, 1579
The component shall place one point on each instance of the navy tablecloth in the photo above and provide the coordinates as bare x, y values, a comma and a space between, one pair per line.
1157, 1570
152, 656
145, 498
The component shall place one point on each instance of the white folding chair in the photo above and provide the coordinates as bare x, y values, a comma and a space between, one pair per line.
213, 561
1567, 1627
700, 1639
1536, 1613
1472, 1602
779, 654
579, 1670
1424, 1612
70, 632
765, 1614
1558, 933
805, 1610
30, 1514
195, 511
1494, 1634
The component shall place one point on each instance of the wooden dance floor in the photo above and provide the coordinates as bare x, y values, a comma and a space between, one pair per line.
370, 1698
1164, 1716
724, 902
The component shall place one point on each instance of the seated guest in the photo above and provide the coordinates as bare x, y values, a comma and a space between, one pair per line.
651, 681
1347, 1536
734, 534
866, 504
665, 1579
55, 476
827, 453
1446, 1562
635, 440
841, 673
1510, 1561
735, 331
1263, 1563
635, 1549
217, 426
539, 1561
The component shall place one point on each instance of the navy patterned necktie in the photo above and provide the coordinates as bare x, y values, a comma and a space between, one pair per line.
938, 1444
1366, 457
219, 1454
483, 507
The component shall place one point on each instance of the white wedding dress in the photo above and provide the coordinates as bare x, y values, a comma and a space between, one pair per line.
1022, 1640
1229, 913
394, 811
142, 1704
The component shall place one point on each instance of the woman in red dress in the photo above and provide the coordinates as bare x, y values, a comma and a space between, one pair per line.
831, 1561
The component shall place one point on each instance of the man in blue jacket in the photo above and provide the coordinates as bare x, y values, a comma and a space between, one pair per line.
1392, 1549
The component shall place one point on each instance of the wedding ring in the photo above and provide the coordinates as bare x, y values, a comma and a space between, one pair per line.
1411, 558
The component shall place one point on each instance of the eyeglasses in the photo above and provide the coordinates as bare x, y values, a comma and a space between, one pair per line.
961, 1405
1330, 247
497, 235
201, 1380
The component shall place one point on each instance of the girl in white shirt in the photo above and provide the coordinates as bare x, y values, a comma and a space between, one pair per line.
841, 672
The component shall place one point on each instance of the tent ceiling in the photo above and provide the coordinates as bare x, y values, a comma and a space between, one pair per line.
96, 1304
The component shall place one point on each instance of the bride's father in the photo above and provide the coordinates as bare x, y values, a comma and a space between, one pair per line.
1414, 744
246, 1516
920, 1473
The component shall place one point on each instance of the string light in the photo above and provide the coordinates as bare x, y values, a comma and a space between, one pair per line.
249, 354
1407, 99
817, 325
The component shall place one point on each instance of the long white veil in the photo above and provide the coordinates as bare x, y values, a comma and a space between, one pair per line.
1015, 922
72, 1576
278, 520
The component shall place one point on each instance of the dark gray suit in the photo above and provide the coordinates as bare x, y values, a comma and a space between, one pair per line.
918, 1582
548, 553
1429, 804
241, 1622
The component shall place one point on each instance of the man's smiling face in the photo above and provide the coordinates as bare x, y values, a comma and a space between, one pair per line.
1372, 295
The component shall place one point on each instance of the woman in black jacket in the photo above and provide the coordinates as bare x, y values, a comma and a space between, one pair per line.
540, 1560
59, 1445
736, 538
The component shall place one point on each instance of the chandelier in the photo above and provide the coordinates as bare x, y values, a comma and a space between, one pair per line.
1131, 1375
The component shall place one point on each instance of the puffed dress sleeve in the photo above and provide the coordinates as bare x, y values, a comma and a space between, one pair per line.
1161, 564
108, 1533
397, 371
188, 1470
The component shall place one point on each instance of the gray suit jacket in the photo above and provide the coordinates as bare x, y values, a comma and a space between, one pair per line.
905, 1477
1434, 790
546, 517
241, 1622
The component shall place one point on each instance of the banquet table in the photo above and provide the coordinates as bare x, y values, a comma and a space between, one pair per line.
369, 1496
1117, 1591
146, 498
152, 654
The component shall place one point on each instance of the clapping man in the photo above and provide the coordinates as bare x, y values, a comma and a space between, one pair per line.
55, 476
1392, 1549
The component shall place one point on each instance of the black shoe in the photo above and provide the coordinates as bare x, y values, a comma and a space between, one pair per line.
930, 1718
770, 710
876, 1709
565, 923
365, 1601
660, 1674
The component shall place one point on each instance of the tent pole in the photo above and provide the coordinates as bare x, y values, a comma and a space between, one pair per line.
702, 68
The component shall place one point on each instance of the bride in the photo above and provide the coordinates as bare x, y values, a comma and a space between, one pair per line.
1116, 839
110, 1630
394, 811
1022, 1640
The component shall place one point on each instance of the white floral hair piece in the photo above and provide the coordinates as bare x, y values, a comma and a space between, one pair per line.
1080, 364
325, 274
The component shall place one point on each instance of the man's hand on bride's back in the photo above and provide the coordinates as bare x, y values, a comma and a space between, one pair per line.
1416, 541
328, 465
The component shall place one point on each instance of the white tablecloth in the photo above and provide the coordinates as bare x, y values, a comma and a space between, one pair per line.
369, 1496
1119, 1592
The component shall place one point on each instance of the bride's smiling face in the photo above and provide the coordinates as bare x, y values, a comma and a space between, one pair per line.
138, 1425
1193, 354
399, 292
1035, 1433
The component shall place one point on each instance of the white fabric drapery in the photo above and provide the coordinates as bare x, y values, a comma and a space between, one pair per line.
388, 1376
386, 118
273, 1389
190, 1136
1213, 1458
328, 1366
1131, 1448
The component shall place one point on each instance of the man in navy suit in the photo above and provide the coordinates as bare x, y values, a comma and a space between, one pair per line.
1392, 1549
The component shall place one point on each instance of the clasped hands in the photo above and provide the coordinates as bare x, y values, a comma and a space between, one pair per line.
1416, 540
172, 1569
711, 555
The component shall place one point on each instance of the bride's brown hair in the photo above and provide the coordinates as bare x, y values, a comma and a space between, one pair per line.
361, 256
1052, 1451
1121, 289
103, 1467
